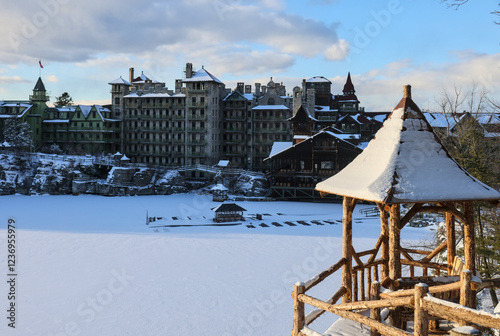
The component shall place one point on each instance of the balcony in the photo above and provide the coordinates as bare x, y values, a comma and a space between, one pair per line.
197, 117
196, 142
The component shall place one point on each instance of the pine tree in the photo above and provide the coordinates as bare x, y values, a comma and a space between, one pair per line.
18, 134
64, 100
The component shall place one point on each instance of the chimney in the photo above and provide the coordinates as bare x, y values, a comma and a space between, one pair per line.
178, 85
248, 89
239, 87
407, 91
189, 70
131, 74
311, 101
297, 99
257, 89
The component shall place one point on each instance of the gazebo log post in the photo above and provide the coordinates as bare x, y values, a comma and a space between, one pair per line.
395, 256
450, 239
348, 205
384, 247
469, 237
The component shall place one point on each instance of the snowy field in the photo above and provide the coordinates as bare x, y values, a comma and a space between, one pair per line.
89, 265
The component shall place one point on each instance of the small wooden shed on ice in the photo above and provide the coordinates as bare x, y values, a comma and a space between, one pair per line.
228, 212
404, 164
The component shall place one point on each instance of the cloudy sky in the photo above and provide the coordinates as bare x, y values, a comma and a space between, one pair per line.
384, 44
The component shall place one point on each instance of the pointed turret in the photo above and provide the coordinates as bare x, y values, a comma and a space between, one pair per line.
39, 92
348, 86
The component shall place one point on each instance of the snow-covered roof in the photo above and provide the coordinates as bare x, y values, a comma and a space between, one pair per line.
228, 207
406, 163
441, 120
56, 121
279, 146
223, 163
318, 79
120, 81
270, 107
248, 96
202, 75
85, 110
218, 187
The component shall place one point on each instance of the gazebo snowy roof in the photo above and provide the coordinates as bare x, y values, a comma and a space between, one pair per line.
406, 163
228, 207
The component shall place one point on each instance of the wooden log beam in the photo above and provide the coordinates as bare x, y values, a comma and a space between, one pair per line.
395, 258
375, 312
415, 251
431, 289
356, 257
410, 214
406, 255
456, 313
469, 237
348, 205
424, 264
379, 243
374, 263
465, 290
436, 251
384, 247
326, 273
395, 243
420, 318
382, 328
367, 252
444, 208
451, 241
382, 303
333, 300
298, 310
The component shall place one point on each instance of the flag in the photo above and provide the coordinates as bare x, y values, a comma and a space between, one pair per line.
40, 62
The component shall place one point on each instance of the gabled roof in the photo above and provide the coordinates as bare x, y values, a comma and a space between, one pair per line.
142, 79
280, 147
120, 81
236, 93
303, 114
228, 207
406, 163
202, 75
359, 118
39, 86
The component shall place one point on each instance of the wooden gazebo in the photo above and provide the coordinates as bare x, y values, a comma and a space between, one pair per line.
405, 164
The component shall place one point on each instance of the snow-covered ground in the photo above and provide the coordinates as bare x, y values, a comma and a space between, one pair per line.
89, 265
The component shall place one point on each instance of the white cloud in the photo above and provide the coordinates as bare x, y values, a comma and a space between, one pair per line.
77, 31
337, 52
7, 80
376, 87
52, 79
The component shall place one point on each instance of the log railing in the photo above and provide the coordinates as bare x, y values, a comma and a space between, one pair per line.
420, 299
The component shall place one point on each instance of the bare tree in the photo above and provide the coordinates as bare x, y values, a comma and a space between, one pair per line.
458, 3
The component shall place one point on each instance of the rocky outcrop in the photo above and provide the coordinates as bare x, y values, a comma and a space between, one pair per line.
58, 175
250, 185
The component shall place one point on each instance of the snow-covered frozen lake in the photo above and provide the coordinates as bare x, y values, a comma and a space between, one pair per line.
89, 265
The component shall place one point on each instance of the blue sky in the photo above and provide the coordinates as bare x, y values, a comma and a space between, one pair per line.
384, 44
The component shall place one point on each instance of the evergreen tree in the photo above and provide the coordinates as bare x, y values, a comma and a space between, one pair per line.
64, 100
17, 134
